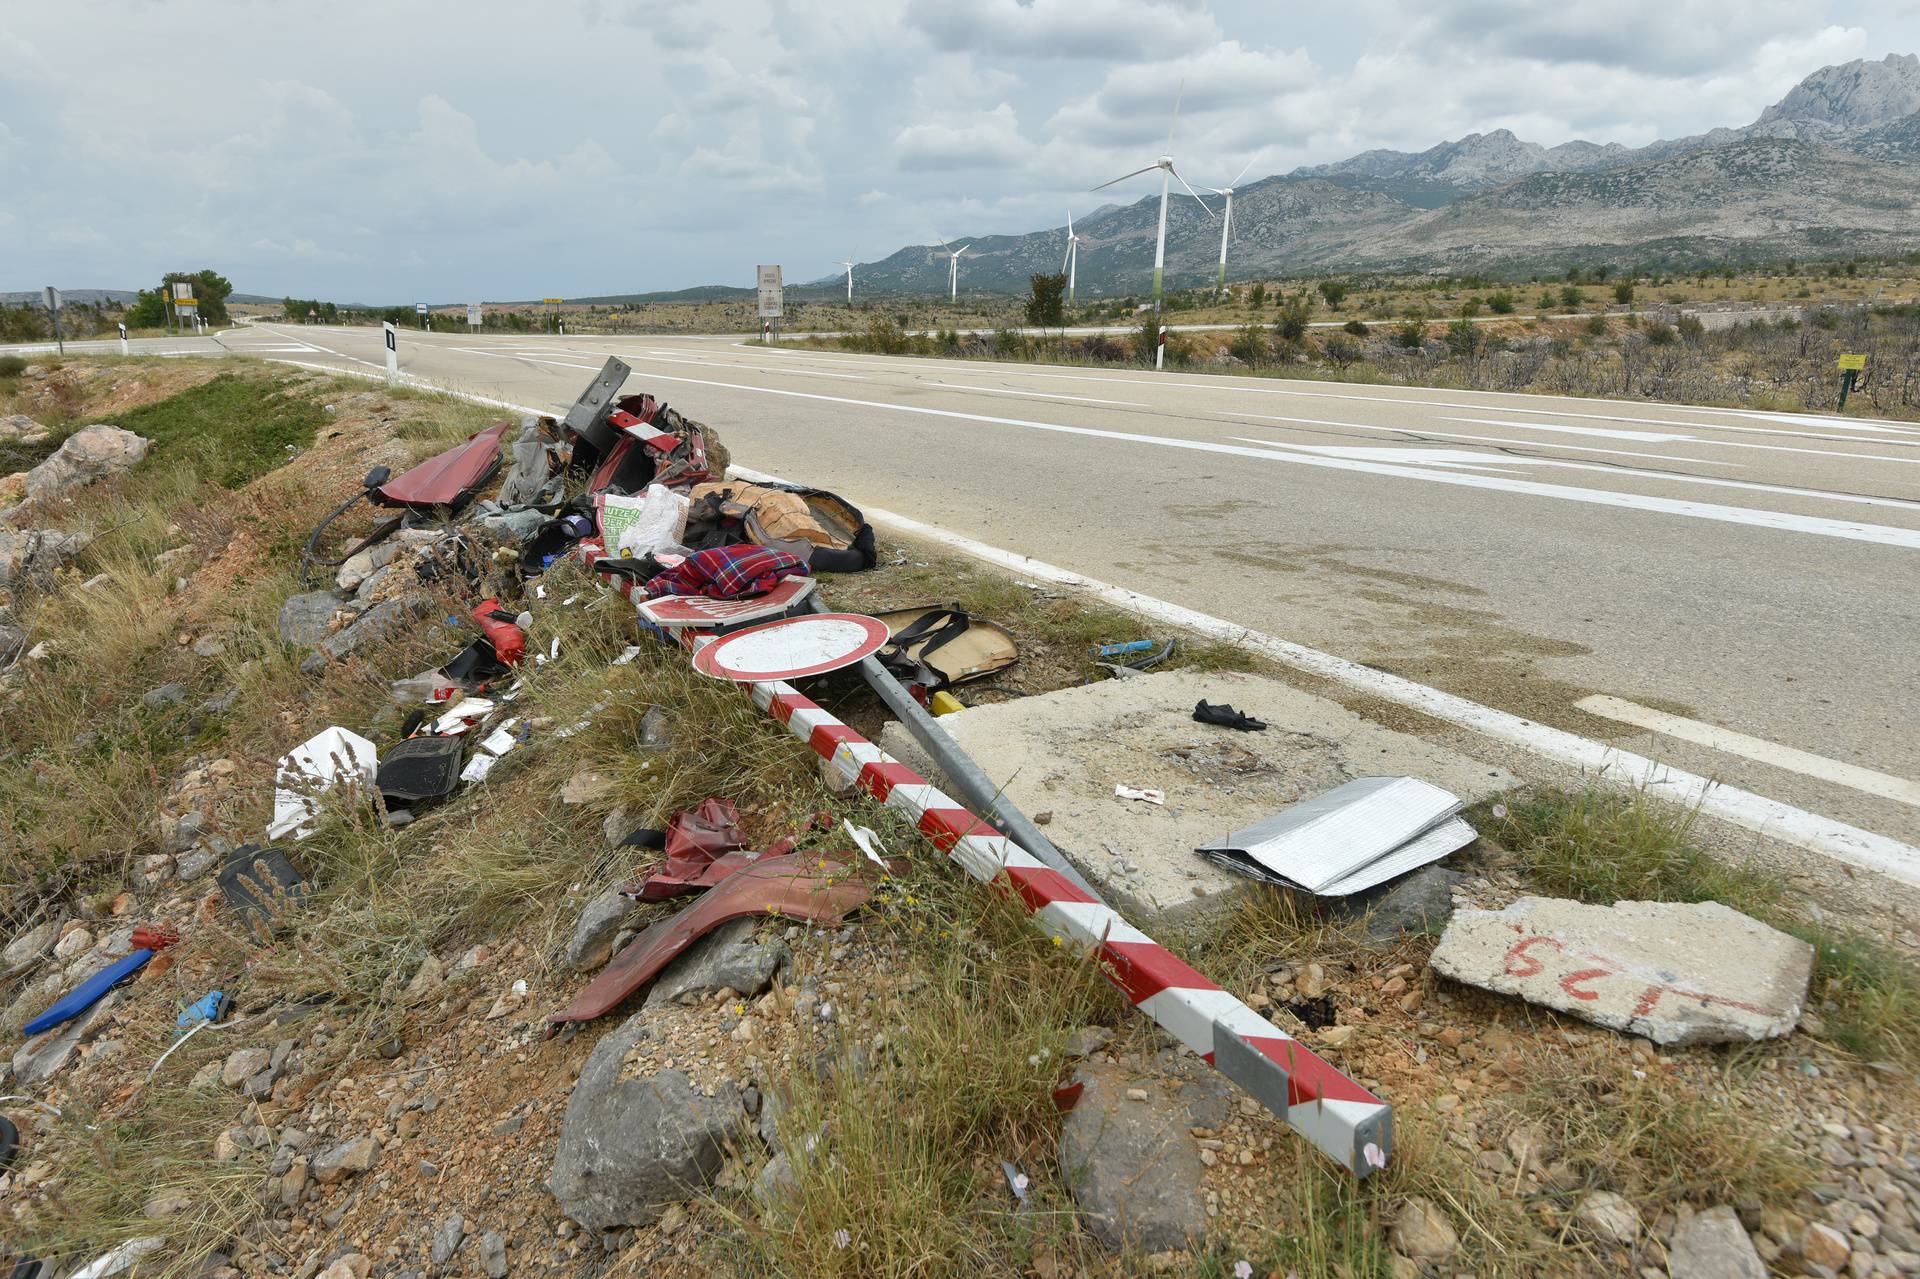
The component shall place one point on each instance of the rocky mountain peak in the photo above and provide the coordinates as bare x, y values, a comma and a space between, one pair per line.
1853, 95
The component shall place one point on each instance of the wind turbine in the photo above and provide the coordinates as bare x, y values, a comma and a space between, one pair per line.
1167, 173
953, 268
1071, 263
1226, 222
849, 265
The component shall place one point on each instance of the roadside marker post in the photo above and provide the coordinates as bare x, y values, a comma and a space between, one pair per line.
124, 350
393, 350
1160, 350
53, 311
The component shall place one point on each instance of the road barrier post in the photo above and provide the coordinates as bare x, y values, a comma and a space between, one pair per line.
393, 350
124, 350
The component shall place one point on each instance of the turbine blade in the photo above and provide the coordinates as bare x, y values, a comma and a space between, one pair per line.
1123, 177
1195, 194
1182, 92
1242, 173
1069, 224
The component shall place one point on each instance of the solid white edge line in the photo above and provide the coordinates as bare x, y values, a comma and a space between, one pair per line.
1771, 817
1871, 781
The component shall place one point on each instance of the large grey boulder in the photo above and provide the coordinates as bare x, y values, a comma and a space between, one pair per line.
628, 1148
1132, 1164
304, 617
728, 958
1677, 973
1713, 1245
83, 457
36, 553
600, 922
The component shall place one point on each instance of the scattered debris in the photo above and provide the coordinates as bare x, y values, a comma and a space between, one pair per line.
1225, 716
1134, 792
333, 757
1354, 836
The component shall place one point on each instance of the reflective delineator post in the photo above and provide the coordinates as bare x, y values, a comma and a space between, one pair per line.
393, 350
124, 349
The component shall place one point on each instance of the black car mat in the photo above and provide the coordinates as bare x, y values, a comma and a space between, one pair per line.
257, 882
420, 768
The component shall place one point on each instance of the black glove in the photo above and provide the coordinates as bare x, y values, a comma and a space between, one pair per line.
1227, 717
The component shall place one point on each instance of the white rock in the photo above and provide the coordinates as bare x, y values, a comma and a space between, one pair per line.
1609, 1216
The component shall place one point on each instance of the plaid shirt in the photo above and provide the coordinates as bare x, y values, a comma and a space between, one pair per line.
727, 572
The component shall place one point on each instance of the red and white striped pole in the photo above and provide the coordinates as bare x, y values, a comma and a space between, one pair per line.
1343, 1120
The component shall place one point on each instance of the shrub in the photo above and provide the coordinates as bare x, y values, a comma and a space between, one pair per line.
884, 336
1623, 293
1333, 291
1571, 297
1341, 351
1292, 322
12, 366
1411, 333
1463, 339
1248, 344
1826, 318
1660, 333
1690, 328
1470, 308
1046, 307
1501, 303
1257, 298
1597, 326
1358, 328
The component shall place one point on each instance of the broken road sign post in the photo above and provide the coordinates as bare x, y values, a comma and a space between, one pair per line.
771, 297
393, 350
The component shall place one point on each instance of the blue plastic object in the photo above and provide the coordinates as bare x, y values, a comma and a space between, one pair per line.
210, 1007
88, 992
1122, 650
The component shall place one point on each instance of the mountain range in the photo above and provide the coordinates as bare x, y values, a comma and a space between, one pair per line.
1831, 169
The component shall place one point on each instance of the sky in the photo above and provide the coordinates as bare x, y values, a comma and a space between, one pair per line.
487, 151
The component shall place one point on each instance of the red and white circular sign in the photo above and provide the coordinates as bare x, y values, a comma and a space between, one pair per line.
792, 648
700, 611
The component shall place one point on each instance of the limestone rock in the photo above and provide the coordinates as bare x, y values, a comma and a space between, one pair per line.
36, 553
304, 617
28, 946
346, 1159
243, 1064
1420, 1230
41, 1057
1106, 1142
374, 627
726, 957
1713, 1245
426, 979
629, 1148
1824, 1246
600, 922
446, 1240
493, 1255
1692, 973
1609, 1216
83, 457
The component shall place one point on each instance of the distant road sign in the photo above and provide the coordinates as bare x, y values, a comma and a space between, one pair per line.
772, 296
53, 298
420, 308
1854, 362
182, 291
473, 314
553, 301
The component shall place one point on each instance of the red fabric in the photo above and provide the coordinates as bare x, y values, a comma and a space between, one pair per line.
508, 640
447, 479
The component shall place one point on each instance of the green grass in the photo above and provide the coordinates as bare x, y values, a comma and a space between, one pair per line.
231, 429
1604, 845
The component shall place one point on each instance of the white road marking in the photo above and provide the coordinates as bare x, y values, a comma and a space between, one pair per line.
997, 390
1780, 520
1872, 782
1604, 432
1771, 817
1674, 477
1913, 460
1484, 439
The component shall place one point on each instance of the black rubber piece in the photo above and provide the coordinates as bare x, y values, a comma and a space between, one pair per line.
1227, 717
9, 1142
420, 768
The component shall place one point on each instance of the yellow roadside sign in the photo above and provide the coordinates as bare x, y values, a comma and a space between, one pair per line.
553, 301
183, 301
1855, 362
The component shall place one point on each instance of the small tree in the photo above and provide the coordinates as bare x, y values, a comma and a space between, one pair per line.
1257, 298
1463, 339
1571, 297
1340, 351
1047, 307
1501, 303
1411, 334
1248, 345
1334, 292
1623, 293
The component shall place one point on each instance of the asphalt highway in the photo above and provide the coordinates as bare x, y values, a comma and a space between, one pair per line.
1731, 592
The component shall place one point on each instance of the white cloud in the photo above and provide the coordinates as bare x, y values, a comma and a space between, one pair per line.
990, 140
1077, 29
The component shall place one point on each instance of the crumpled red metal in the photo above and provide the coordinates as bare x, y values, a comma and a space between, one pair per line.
447, 479
696, 837
796, 885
